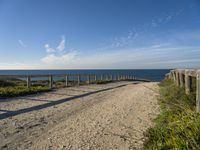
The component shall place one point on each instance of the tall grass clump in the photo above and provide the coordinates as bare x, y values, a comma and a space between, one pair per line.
178, 125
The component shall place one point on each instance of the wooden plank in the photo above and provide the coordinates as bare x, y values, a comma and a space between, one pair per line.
78, 79
66, 80
198, 92
177, 78
28, 80
50, 81
181, 77
95, 78
88, 79
101, 77
188, 82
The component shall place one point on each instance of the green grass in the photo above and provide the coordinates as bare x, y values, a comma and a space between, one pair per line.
16, 87
20, 90
11, 87
178, 125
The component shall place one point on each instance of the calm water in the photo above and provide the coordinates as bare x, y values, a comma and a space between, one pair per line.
152, 74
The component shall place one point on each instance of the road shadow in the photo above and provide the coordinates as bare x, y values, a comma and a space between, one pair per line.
52, 103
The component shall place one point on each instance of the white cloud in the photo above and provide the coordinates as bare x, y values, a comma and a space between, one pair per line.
49, 49
121, 41
21, 43
59, 60
61, 46
155, 56
58, 57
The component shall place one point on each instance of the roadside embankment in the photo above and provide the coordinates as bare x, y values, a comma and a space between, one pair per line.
178, 125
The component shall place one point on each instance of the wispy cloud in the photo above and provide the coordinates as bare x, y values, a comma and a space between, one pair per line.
154, 56
49, 49
21, 43
59, 48
55, 60
165, 18
141, 32
121, 41
59, 56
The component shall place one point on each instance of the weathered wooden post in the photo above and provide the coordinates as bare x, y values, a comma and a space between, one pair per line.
111, 77
107, 77
198, 91
174, 76
95, 78
181, 79
88, 79
28, 80
188, 82
50, 81
66, 80
101, 77
78, 79
177, 78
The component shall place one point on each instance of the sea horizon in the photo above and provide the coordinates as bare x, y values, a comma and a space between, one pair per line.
151, 74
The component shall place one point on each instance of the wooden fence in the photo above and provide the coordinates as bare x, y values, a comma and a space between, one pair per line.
183, 78
77, 77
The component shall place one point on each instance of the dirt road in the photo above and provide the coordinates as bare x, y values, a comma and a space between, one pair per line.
110, 116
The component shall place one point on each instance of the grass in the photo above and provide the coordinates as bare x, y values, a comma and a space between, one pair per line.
11, 87
178, 125
20, 90
16, 87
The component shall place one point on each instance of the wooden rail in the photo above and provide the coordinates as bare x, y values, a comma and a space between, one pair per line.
102, 77
183, 78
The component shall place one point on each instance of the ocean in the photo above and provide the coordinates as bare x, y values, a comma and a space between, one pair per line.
151, 74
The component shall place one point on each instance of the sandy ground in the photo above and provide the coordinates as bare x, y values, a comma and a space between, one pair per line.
110, 116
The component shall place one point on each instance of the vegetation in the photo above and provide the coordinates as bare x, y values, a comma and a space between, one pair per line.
16, 87
178, 125
10, 87
20, 90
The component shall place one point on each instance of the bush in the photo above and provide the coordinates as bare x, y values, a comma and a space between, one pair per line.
20, 90
178, 125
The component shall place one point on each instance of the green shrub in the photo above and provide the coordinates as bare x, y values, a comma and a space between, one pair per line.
178, 125
20, 90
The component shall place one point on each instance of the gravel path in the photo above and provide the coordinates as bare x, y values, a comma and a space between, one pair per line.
110, 116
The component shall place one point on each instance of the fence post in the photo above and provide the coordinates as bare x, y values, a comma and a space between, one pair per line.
181, 79
174, 76
78, 78
28, 80
188, 82
198, 91
66, 80
177, 78
88, 79
95, 78
50, 82
107, 77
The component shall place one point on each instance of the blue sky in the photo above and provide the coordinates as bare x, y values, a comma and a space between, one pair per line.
99, 34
